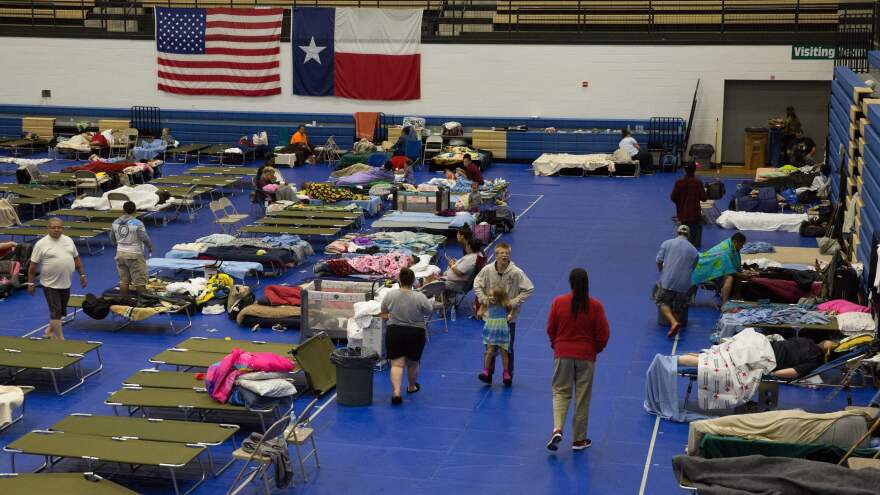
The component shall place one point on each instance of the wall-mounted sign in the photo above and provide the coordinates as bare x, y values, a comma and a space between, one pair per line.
807, 51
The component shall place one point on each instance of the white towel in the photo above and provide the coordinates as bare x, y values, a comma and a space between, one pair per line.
10, 398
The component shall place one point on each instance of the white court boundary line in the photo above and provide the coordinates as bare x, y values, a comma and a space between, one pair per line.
650, 455
538, 197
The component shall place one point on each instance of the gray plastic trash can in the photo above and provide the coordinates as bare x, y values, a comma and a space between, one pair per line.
354, 376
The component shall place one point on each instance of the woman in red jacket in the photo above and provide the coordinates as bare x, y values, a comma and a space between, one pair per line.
578, 331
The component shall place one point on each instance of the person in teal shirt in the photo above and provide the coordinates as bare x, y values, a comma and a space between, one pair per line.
721, 264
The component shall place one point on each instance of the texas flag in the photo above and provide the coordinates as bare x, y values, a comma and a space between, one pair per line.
365, 54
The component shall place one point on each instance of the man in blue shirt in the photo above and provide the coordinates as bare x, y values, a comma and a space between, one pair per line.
675, 260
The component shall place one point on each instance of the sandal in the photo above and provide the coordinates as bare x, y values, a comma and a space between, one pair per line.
418, 387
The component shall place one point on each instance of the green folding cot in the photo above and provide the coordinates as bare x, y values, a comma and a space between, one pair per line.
197, 180
185, 150
300, 231
96, 450
76, 225
306, 213
207, 170
21, 354
201, 352
109, 215
154, 429
61, 483
153, 378
306, 222
86, 235
190, 403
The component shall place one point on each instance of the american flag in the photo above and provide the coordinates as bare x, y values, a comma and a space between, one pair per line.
219, 51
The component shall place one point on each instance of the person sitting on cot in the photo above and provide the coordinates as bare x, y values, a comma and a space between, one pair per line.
722, 266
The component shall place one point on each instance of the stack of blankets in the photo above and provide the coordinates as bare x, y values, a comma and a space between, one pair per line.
852, 318
257, 380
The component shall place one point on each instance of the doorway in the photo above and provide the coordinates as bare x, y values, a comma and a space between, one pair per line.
751, 103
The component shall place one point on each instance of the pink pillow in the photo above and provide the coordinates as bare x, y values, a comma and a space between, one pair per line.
270, 188
841, 306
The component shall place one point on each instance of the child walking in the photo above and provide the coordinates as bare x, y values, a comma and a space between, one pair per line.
496, 335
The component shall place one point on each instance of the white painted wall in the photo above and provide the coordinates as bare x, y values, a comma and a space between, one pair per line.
464, 80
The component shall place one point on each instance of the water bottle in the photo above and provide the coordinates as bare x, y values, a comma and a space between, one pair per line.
452, 314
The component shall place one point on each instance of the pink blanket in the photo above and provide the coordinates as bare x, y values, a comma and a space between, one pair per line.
221, 376
381, 264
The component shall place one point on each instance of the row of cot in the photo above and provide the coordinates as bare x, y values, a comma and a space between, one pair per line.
168, 444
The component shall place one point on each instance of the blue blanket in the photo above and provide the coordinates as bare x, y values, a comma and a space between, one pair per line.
661, 391
148, 150
236, 269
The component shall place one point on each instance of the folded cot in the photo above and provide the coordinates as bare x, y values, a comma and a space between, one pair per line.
65, 483
22, 354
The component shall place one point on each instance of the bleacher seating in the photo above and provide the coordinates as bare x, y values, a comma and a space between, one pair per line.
451, 19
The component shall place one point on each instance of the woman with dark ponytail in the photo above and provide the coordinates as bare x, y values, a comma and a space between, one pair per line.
578, 331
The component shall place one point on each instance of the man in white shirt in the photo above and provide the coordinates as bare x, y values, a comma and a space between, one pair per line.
57, 258
631, 146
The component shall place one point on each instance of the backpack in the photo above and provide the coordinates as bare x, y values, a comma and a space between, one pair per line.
715, 190
502, 217
810, 229
96, 307
239, 297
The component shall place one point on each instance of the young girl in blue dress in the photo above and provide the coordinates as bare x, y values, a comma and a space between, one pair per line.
496, 334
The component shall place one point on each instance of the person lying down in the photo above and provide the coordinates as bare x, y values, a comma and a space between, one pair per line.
728, 374
840, 428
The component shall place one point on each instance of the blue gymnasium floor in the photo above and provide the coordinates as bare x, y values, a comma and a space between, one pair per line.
457, 435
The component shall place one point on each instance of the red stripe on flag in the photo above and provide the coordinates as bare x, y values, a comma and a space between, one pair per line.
242, 39
220, 92
219, 78
244, 52
205, 64
377, 77
242, 25
244, 12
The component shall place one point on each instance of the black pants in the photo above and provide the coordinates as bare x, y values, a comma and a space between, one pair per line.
512, 327
696, 235
646, 160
